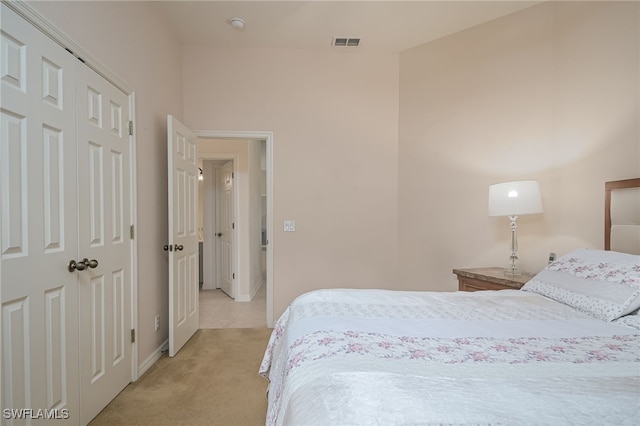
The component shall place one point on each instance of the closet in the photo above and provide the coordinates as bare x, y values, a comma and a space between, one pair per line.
66, 248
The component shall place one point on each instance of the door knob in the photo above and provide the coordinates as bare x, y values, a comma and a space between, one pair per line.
76, 266
90, 263
179, 247
82, 264
219, 234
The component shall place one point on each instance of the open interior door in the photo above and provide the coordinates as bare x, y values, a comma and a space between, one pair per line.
183, 234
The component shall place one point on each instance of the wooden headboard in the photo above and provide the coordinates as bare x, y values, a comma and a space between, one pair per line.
622, 216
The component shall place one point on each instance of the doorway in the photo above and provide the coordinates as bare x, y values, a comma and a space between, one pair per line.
250, 154
216, 205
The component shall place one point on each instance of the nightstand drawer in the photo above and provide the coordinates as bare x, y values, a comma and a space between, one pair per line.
470, 284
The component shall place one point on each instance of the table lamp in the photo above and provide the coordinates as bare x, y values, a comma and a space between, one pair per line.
513, 199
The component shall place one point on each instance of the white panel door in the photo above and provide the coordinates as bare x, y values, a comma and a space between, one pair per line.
38, 223
183, 234
226, 228
64, 181
104, 217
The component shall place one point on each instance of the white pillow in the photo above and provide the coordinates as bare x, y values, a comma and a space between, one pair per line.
604, 284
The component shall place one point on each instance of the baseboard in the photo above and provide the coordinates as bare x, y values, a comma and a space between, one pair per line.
249, 298
151, 359
256, 287
243, 298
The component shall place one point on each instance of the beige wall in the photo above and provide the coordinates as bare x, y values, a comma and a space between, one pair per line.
549, 93
334, 118
146, 56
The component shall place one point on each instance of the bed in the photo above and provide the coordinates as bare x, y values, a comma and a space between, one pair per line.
565, 349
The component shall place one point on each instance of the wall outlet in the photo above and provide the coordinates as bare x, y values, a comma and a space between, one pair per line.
289, 226
156, 323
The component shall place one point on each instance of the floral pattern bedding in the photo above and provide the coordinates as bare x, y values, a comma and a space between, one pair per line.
601, 283
339, 357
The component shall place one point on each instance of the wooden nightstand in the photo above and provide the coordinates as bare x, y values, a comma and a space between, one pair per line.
474, 279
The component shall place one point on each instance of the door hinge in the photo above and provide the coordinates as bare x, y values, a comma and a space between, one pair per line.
233, 175
233, 276
132, 232
233, 225
130, 128
133, 335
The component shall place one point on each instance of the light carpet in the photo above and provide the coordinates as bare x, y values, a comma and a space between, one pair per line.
213, 380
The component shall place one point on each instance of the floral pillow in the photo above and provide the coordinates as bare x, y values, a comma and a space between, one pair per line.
604, 284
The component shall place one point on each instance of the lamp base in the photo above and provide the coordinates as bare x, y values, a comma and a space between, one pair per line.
512, 272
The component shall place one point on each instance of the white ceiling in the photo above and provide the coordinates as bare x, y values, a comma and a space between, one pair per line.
390, 26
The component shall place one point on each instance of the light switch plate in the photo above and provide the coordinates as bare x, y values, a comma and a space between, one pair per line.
289, 225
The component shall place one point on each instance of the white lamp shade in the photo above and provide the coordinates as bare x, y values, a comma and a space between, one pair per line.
515, 198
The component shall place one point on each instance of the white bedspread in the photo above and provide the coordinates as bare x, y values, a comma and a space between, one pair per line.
365, 357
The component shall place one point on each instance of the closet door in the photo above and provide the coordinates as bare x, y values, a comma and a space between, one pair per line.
104, 218
226, 228
65, 161
38, 230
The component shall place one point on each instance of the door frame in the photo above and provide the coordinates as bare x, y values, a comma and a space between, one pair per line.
268, 137
33, 17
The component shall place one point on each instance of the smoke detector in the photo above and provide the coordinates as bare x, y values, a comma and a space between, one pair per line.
345, 41
237, 23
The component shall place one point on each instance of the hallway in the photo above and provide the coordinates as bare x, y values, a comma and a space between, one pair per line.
217, 310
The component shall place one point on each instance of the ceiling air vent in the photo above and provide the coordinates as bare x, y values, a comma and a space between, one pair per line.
345, 42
